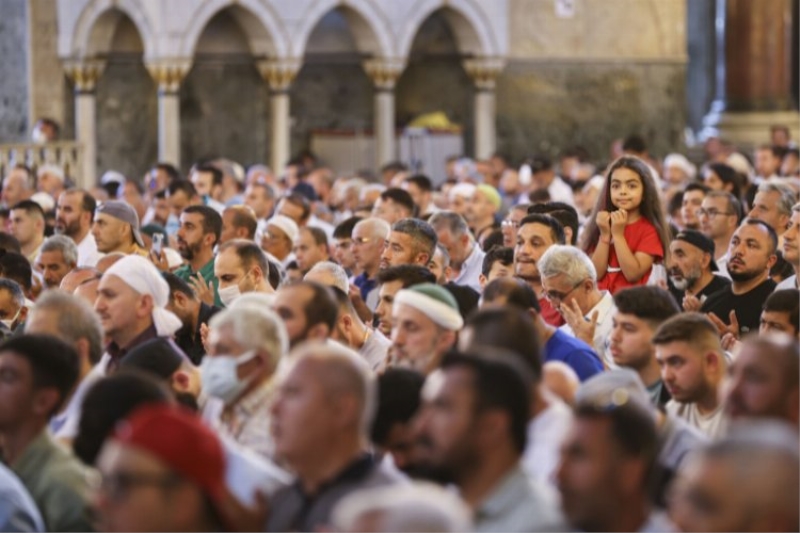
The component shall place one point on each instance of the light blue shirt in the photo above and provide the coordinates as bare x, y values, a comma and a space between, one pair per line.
471, 269
18, 512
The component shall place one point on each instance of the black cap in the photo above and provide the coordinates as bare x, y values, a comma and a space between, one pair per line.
698, 240
160, 357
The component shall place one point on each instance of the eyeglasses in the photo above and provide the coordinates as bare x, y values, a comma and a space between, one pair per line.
555, 296
712, 213
118, 485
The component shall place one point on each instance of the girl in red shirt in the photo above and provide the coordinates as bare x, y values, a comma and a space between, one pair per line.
627, 232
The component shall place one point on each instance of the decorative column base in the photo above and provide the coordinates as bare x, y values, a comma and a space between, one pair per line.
748, 128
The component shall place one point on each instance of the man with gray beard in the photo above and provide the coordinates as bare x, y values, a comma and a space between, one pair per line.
691, 268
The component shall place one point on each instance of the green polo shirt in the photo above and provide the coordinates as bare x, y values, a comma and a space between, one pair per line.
186, 273
58, 483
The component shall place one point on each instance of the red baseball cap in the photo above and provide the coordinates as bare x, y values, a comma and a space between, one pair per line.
182, 441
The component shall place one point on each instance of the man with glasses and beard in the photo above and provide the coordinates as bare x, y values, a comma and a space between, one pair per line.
691, 268
737, 308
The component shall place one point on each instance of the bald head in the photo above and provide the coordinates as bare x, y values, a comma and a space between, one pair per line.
375, 227
76, 277
109, 259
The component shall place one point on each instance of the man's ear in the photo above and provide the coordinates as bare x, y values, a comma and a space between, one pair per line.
180, 381
45, 400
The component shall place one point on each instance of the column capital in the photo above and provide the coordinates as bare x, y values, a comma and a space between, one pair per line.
84, 73
484, 71
279, 73
168, 73
384, 71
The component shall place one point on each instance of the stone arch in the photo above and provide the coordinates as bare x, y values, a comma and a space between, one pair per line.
367, 24
265, 33
470, 24
94, 30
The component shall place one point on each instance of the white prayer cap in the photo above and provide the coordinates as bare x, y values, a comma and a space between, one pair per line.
54, 170
465, 190
143, 277
680, 161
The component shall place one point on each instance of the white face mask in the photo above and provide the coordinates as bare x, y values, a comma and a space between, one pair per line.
173, 224
219, 378
229, 294
38, 136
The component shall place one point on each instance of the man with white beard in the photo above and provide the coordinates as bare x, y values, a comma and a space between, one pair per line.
691, 269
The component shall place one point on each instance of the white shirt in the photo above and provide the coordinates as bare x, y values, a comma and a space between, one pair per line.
546, 432
471, 269
722, 264
88, 256
559, 191
65, 424
713, 425
602, 333
247, 473
788, 283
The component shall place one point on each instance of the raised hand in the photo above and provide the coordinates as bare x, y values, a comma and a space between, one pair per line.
603, 221
619, 219
581, 327
203, 290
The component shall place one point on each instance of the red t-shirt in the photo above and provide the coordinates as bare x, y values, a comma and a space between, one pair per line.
550, 314
641, 237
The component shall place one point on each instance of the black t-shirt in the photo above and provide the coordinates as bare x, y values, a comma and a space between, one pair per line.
717, 283
747, 306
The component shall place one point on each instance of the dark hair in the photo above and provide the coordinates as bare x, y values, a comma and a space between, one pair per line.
176, 284
212, 222
136, 185
9, 243
516, 292
398, 401
422, 181
394, 166
322, 308
54, 363
297, 199
13, 289
169, 169
501, 383
243, 217
691, 328
556, 229
782, 269
734, 204
408, 275
633, 429
728, 176
422, 234
400, 197
695, 186
179, 185
495, 238
319, 236
773, 237
88, 203
107, 402
650, 208
563, 212
16, 267
249, 253
216, 174
503, 254
274, 274
30, 207
634, 143
344, 230
510, 329
652, 304
785, 301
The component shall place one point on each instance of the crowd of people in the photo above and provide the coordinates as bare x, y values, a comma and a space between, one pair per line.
550, 346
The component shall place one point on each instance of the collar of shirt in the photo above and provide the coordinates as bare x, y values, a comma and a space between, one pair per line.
207, 270
505, 496
248, 406
34, 455
117, 352
355, 471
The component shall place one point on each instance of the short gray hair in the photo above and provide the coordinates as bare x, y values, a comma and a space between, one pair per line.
329, 273
76, 320
445, 254
255, 328
63, 244
377, 227
570, 261
404, 508
451, 221
787, 196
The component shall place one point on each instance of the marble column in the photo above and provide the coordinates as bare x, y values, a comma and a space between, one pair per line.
753, 73
84, 75
384, 73
484, 72
169, 75
279, 75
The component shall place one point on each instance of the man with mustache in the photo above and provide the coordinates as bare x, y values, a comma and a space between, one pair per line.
691, 268
74, 217
737, 308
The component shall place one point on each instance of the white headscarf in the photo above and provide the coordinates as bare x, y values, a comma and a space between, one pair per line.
143, 277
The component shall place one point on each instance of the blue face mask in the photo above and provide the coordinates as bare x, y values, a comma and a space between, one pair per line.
219, 376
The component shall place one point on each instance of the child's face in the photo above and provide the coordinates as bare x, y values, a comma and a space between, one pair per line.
626, 189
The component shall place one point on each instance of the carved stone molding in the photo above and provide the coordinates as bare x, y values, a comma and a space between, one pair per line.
84, 73
279, 73
384, 72
484, 71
